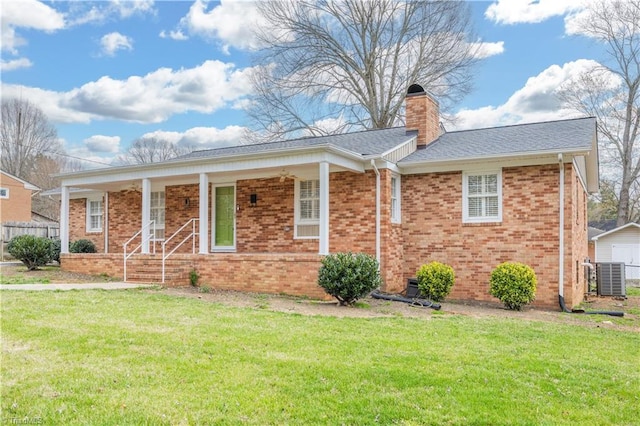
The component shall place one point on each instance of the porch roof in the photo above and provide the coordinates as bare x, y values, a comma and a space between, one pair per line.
366, 143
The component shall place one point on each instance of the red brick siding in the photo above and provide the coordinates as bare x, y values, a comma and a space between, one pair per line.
78, 224
422, 114
433, 230
16, 208
577, 239
125, 218
182, 203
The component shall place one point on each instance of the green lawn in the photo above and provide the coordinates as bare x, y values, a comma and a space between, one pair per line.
135, 357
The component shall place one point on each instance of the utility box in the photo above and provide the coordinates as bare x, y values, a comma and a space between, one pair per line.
412, 288
610, 279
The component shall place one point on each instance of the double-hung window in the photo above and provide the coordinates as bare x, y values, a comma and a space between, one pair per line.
307, 209
157, 213
482, 196
95, 213
395, 199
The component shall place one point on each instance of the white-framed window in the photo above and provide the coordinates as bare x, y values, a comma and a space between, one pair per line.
482, 196
4, 192
396, 212
307, 209
95, 214
157, 213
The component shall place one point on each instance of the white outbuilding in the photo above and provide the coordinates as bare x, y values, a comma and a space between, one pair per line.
621, 244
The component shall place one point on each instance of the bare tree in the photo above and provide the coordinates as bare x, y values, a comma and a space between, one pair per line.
26, 135
331, 66
611, 92
150, 150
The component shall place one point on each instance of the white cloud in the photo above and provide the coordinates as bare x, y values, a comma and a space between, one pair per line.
529, 11
81, 13
202, 137
14, 64
230, 22
151, 98
101, 143
175, 35
487, 49
30, 14
536, 101
115, 41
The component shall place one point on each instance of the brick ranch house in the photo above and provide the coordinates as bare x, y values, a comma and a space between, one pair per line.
260, 217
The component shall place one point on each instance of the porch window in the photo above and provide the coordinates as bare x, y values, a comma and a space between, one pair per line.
482, 197
4, 192
157, 213
395, 199
307, 206
95, 213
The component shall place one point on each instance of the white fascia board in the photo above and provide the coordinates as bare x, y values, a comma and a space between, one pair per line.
26, 185
592, 160
281, 158
510, 160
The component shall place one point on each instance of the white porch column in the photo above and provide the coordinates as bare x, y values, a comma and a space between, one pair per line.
324, 208
64, 220
146, 214
204, 213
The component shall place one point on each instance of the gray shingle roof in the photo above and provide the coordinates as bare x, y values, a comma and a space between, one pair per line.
550, 136
372, 142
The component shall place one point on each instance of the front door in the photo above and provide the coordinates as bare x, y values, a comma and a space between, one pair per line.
224, 218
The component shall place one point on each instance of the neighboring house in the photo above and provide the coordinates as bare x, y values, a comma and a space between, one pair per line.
621, 244
262, 216
591, 234
15, 198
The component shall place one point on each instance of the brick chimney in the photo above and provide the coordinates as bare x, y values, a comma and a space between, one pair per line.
422, 114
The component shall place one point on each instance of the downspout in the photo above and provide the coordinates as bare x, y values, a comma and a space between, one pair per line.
561, 238
106, 222
375, 169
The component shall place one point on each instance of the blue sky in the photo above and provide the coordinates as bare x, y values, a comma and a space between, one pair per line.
108, 72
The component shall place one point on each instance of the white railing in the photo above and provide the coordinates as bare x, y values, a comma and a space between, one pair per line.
150, 236
193, 222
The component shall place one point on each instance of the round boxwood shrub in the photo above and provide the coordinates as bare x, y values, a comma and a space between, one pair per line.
31, 250
349, 276
514, 284
82, 246
435, 280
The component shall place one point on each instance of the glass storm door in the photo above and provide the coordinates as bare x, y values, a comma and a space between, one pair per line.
225, 218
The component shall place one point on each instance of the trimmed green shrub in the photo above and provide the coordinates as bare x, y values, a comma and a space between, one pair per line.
31, 250
435, 280
514, 284
349, 276
82, 246
194, 277
56, 248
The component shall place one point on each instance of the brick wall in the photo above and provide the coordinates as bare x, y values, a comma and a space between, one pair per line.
577, 241
433, 230
423, 115
78, 225
293, 274
125, 217
16, 208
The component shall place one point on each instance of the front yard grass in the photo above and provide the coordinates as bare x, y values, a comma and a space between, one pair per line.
134, 357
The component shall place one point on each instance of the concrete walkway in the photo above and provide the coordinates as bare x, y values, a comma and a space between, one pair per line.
87, 286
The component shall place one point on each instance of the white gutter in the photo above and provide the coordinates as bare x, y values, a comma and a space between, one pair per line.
561, 233
106, 222
375, 169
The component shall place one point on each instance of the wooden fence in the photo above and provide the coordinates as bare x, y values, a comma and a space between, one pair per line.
39, 229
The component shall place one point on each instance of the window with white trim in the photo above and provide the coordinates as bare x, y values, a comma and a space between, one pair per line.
307, 209
395, 199
95, 213
482, 196
157, 213
4, 192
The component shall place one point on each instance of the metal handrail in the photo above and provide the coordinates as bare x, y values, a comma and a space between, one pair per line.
152, 223
193, 233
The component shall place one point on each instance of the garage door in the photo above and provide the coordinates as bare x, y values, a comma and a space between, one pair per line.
630, 255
